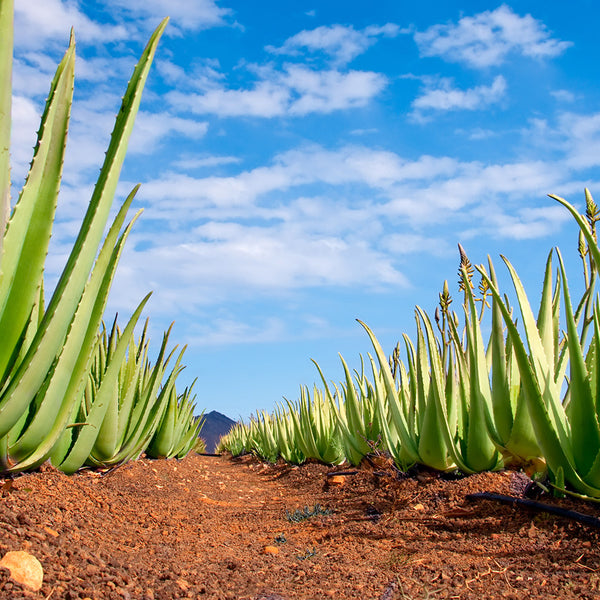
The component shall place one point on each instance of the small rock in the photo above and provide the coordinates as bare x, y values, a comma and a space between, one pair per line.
338, 480
51, 532
24, 569
270, 550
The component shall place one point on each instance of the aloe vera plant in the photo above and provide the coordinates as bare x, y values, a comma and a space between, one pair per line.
356, 414
567, 430
178, 428
46, 352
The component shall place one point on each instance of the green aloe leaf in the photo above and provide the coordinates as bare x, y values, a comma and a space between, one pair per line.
6, 60
581, 410
88, 432
28, 233
388, 398
64, 385
540, 392
47, 344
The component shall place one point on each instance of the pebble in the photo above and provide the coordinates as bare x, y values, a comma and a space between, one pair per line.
338, 480
270, 550
24, 569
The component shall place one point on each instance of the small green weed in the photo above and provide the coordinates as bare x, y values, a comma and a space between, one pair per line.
309, 554
306, 513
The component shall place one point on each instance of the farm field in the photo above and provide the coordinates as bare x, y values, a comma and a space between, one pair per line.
217, 528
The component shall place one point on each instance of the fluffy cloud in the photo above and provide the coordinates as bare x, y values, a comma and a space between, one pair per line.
39, 21
297, 91
487, 38
152, 129
25, 122
185, 15
230, 260
445, 97
341, 43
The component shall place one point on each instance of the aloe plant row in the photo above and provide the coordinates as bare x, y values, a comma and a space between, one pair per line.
55, 399
527, 397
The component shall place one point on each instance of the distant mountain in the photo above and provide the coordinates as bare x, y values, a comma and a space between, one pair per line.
215, 425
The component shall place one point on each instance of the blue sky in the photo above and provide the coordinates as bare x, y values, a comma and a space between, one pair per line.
304, 164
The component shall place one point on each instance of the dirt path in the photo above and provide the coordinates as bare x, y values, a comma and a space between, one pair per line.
213, 528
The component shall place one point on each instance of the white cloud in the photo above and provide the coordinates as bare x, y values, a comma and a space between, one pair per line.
573, 139
413, 243
225, 237
445, 97
524, 223
184, 15
563, 95
223, 260
366, 188
581, 135
296, 91
32, 74
487, 38
203, 74
25, 122
40, 21
228, 331
152, 129
265, 99
238, 195
341, 43
203, 162
327, 91
481, 134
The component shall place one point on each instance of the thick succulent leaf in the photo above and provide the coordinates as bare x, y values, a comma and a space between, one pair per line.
582, 407
555, 444
6, 59
164, 437
437, 382
70, 372
480, 453
501, 393
67, 294
407, 439
28, 233
546, 314
87, 433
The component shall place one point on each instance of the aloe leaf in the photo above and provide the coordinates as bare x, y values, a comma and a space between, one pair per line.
349, 418
443, 424
30, 226
546, 316
88, 432
423, 374
147, 423
585, 228
432, 447
553, 442
132, 419
69, 373
480, 453
582, 407
501, 393
164, 437
404, 455
543, 370
407, 439
67, 294
6, 60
